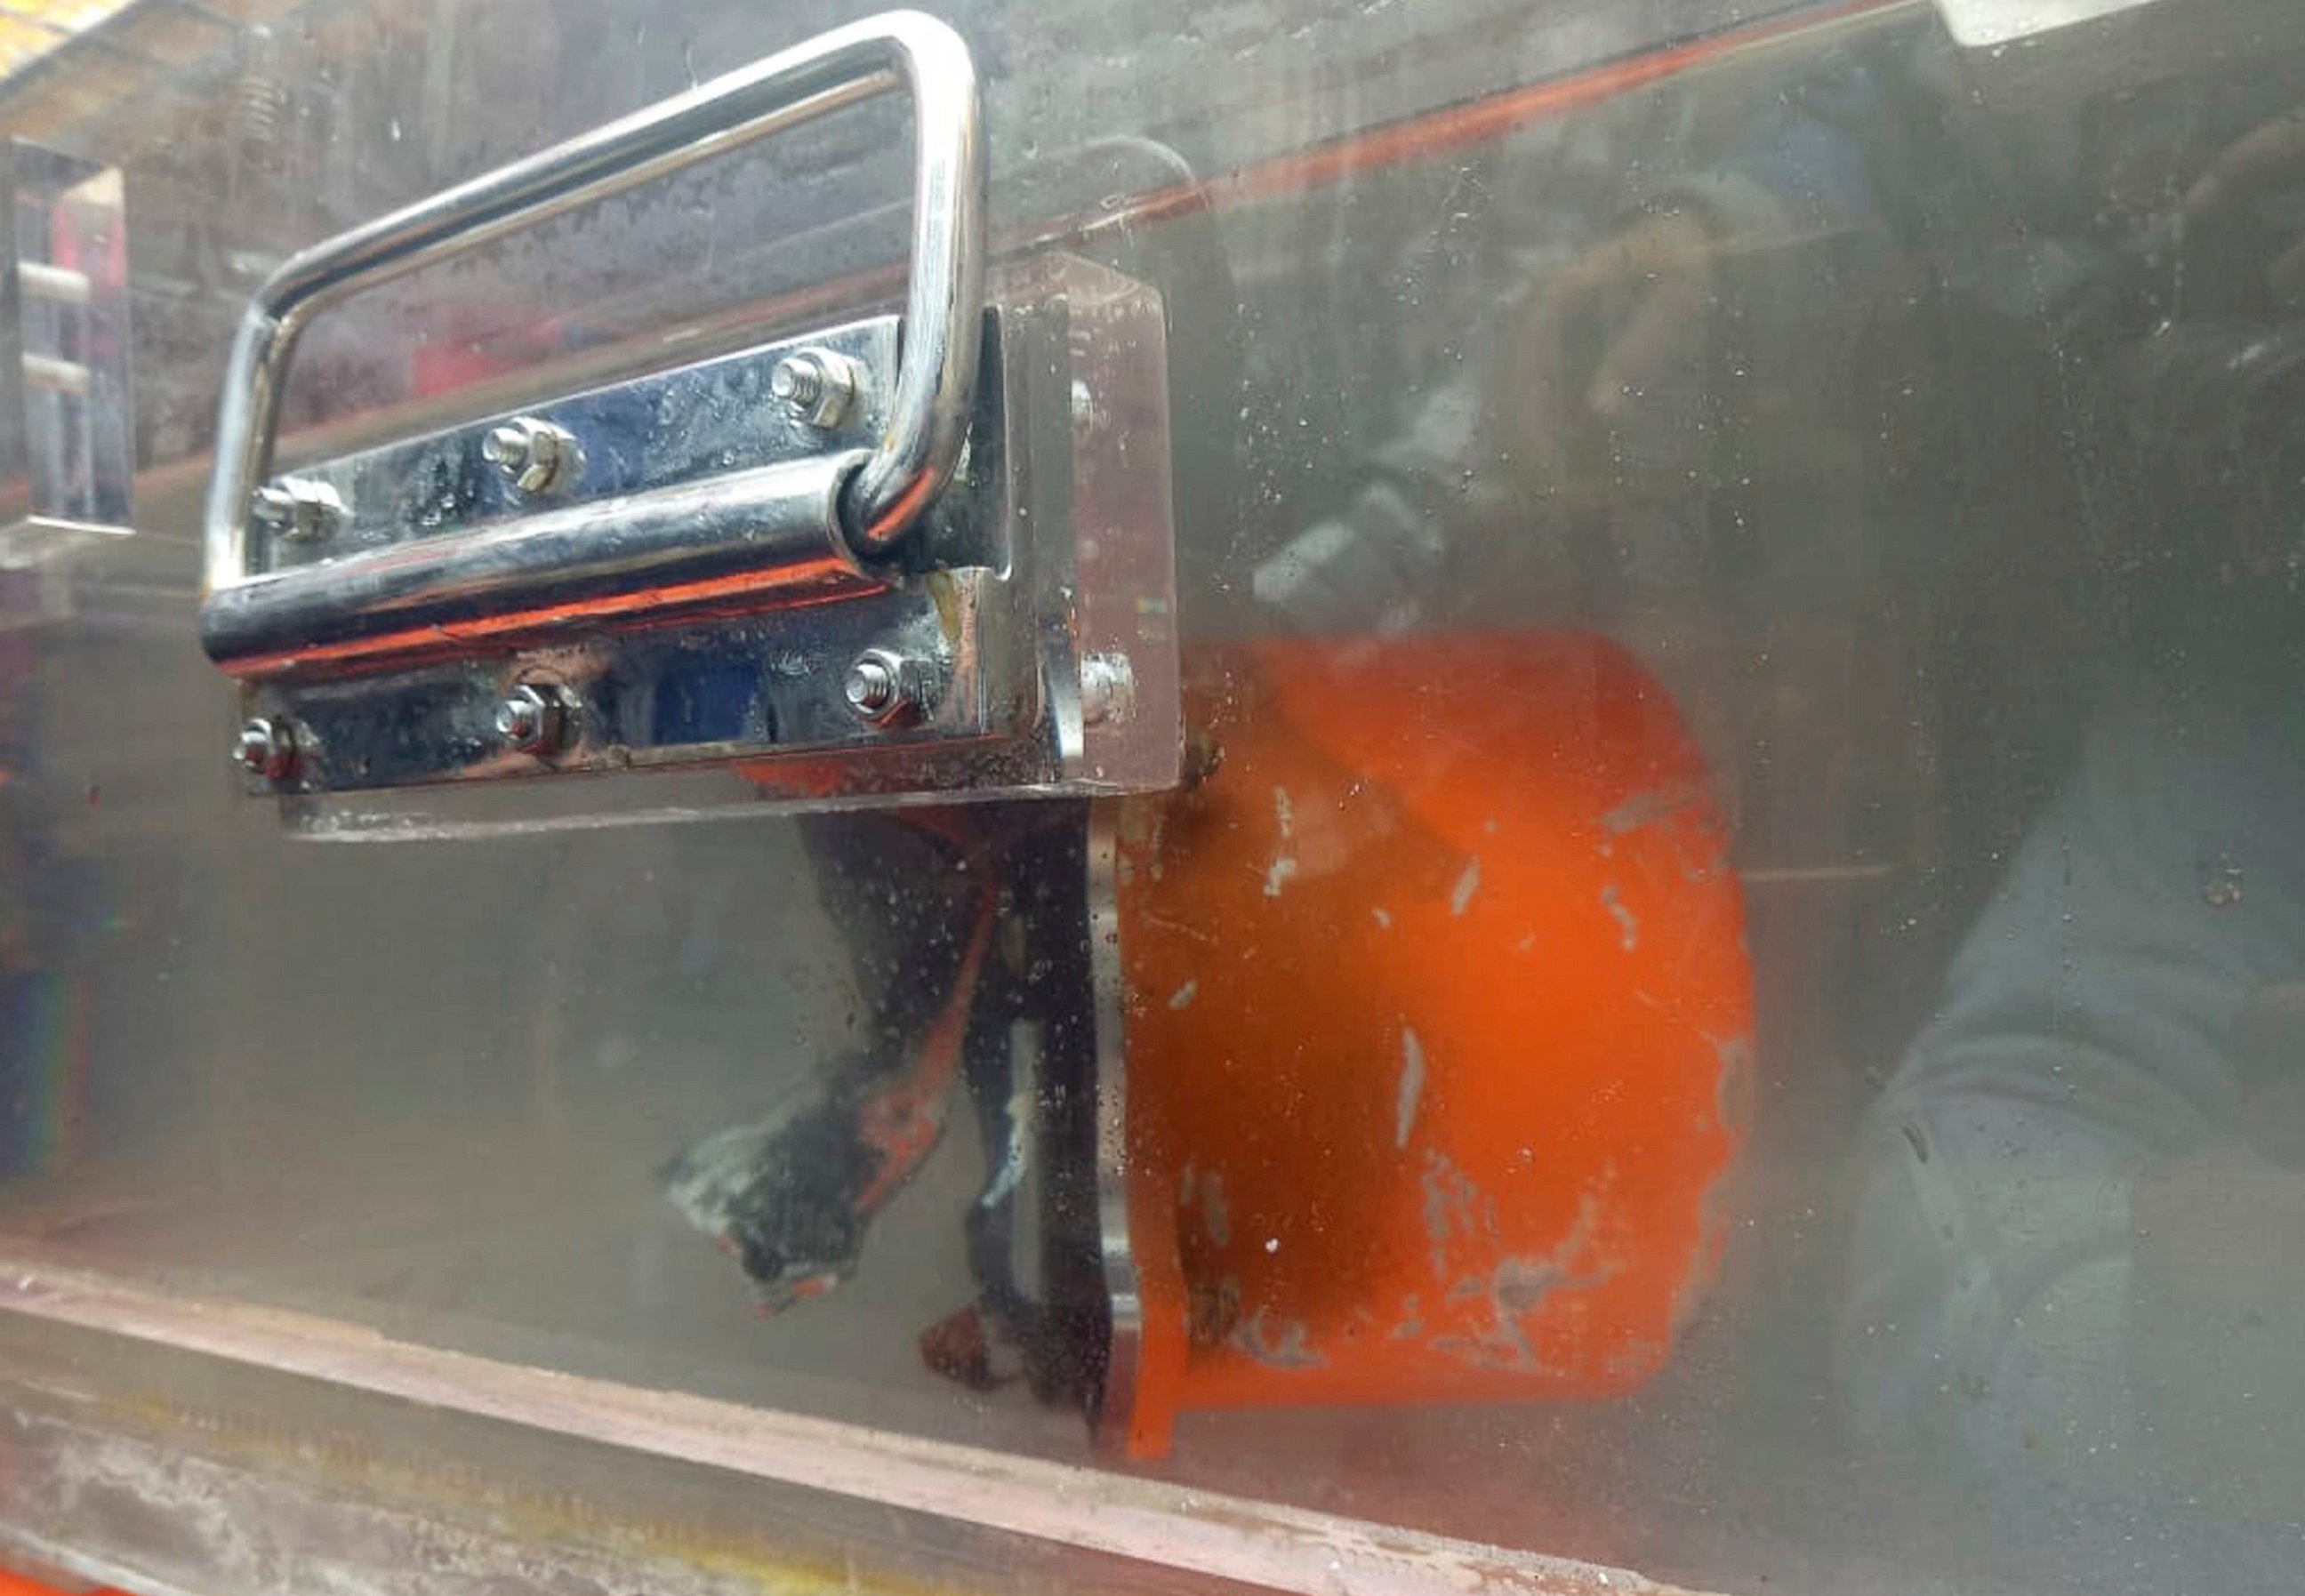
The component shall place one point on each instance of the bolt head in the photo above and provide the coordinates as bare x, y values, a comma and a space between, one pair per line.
505, 447
534, 717
519, 723
265, 748
872, 687
817, 385
272, 506
536, 455
297, 509
885, 687
796, 381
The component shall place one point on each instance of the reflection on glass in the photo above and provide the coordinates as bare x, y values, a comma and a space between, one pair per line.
67, 453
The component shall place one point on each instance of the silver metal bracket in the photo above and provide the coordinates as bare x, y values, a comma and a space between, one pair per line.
1021, 644
915, 555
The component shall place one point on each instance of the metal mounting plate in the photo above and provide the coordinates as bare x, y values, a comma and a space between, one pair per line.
658, 431
1027, 617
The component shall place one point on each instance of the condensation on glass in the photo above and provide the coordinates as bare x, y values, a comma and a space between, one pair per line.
1509, 794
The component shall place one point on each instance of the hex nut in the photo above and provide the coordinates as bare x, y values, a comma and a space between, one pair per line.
298, 509
266, 747
535, 456
536, 717
817, 386
884, 688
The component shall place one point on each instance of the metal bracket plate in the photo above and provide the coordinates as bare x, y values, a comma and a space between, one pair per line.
926, 558
1021, 642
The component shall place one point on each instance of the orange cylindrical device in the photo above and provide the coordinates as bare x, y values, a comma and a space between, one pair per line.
1438, 1018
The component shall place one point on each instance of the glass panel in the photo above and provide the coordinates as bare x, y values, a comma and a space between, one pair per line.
1723, 990
70, 344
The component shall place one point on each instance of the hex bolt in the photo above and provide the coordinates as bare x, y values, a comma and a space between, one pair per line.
872, 689
882, 687
536, 717
535, 456
266, 747
817, 386
298, 509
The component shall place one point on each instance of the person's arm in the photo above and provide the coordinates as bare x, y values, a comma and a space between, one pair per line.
2015, 1173
1601, 360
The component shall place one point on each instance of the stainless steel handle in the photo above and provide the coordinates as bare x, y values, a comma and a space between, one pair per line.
933, 391
763, 529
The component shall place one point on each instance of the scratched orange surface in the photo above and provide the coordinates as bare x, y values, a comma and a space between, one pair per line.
1438, 1021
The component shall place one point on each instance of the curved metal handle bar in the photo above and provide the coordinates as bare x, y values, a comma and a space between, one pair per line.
935, 376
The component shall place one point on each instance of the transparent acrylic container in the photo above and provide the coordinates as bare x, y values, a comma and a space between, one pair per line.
1622, 910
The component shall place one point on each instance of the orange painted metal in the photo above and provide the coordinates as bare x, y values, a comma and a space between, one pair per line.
1438, 1027
12, 1583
